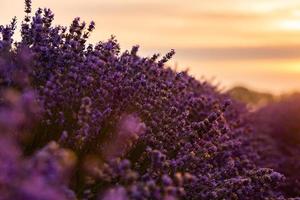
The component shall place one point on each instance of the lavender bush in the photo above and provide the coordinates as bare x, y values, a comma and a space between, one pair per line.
277, 133
83, 121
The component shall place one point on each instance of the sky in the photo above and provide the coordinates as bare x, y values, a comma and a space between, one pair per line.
254, 43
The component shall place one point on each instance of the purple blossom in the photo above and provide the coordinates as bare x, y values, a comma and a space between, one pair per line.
137, 129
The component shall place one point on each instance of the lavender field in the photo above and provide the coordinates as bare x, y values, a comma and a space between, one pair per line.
89, 121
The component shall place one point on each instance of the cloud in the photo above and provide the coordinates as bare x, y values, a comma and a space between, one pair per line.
241, 53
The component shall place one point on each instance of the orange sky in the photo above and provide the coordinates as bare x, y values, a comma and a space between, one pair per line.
251, 42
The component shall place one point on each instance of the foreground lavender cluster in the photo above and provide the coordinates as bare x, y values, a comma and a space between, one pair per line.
43, 175
89, 122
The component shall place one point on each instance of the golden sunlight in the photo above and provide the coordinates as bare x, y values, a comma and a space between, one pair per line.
292, 24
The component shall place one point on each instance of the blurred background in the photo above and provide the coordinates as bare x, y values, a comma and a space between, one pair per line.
249, 43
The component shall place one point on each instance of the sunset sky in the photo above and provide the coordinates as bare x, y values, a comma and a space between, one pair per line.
255, 43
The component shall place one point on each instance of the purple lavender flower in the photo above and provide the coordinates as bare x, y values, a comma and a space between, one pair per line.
138, 129
277, 132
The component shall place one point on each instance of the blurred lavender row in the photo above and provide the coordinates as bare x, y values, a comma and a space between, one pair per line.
83, 121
